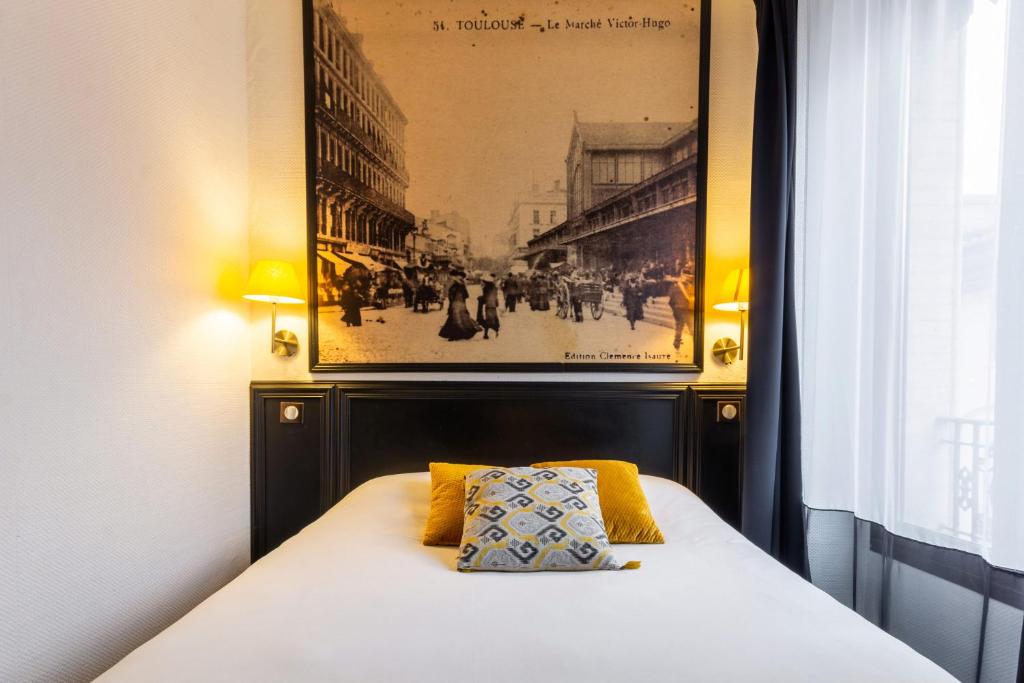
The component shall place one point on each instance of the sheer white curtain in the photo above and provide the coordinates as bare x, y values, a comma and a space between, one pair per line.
910, 256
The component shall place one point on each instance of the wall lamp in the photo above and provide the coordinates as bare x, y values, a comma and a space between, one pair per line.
735, 297
274, 282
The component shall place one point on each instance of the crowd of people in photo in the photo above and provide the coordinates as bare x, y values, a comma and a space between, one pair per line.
359, 288
674, 280
571, 288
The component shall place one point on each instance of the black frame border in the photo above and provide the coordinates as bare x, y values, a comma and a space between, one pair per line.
316, 366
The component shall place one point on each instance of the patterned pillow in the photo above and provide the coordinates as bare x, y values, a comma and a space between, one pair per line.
521, 519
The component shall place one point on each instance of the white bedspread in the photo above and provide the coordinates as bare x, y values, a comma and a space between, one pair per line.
356, 597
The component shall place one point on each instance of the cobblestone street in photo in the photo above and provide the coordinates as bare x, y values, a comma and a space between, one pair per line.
398, 335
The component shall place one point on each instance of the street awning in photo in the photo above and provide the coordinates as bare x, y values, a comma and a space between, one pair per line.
364, 261
340, 266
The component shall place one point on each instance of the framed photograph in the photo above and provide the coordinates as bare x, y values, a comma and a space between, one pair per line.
506, 186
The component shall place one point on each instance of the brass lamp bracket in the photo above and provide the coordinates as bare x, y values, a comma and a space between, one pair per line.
725, 350
285, 343
282, 342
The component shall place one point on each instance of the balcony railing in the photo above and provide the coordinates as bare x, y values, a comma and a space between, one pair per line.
970, 441
339, 118
335, 175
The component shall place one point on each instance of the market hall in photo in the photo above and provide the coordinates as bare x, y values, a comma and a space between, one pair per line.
632, 199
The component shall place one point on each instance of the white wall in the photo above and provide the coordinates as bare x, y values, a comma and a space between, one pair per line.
124, 360
277, 183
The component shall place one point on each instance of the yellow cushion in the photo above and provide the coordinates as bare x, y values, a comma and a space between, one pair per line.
447, 503
627, 517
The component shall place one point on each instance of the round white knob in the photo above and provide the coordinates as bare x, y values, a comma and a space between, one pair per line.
291, 412
729, 411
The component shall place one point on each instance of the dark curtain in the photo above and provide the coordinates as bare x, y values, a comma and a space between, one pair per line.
951, 606
772, 497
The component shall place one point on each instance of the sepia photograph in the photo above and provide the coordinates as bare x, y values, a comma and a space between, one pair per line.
491, 188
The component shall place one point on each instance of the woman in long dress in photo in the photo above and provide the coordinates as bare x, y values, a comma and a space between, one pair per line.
351, 302
633, 299
531, 292
487, 315
459, 324
543, 293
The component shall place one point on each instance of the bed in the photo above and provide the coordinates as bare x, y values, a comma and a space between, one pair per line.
356, 597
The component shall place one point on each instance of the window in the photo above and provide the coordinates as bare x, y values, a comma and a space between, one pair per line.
554, 217
653, 165
603, 169
629, 169
536, 216
924, 261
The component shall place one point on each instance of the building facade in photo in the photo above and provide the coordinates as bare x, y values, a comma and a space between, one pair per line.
631, 201
361, 177
534, 213
448, 237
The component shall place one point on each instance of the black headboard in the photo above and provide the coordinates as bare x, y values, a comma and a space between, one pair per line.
391, 431
350, 432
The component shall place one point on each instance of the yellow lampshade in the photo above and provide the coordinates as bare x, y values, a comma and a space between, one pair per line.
274, 282
735, 294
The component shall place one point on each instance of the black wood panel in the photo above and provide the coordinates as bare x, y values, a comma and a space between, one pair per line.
388, 432
716, 449
291, 465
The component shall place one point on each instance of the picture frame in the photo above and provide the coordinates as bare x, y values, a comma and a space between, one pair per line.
629, 230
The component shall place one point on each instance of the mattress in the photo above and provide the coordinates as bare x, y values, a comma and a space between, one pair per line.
356, 597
